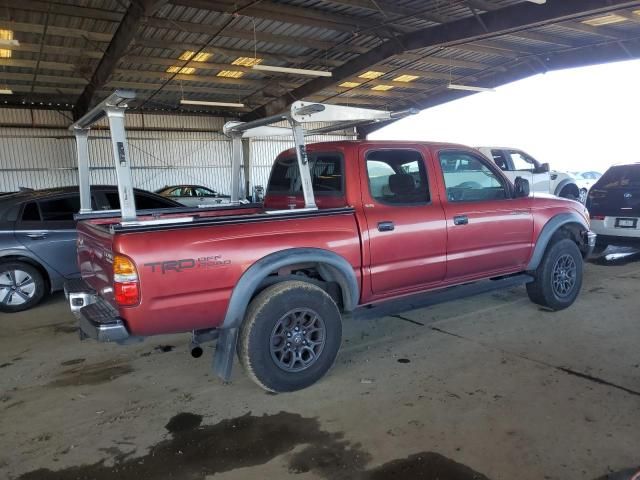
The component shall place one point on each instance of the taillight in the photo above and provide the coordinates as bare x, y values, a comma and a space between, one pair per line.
126, 288
597, 217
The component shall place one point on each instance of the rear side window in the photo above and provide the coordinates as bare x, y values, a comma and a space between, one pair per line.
468, 179
326, 175
31, 213
60, 209
397, 177
620, 177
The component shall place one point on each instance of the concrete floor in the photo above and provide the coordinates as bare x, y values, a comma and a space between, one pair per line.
486, 387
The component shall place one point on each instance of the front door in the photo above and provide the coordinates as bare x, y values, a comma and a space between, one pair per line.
488, 231
406, 225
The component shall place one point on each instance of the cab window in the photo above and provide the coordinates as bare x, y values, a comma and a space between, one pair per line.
397, 177
469, 179
326, 175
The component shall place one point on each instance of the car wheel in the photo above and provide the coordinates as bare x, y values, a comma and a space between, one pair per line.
583, 195
558, 278
290, 337
21, 286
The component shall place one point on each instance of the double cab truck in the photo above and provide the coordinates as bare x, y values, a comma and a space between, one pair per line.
273, 281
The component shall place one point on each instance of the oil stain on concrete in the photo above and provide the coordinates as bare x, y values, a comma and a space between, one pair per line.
193, 451
91, 374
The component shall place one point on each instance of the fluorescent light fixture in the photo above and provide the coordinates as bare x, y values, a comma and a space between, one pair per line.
6, 38
406, 78
6, 91
212, 104
539, 2
297, 71
230, 74
183, 70
195, 57
382, 88
454, 86
637, 12
349, 84
605, 20
246, 61
371, 74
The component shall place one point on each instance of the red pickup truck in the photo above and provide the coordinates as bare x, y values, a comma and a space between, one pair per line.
273, 281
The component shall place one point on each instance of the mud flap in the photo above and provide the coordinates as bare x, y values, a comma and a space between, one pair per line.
225, 351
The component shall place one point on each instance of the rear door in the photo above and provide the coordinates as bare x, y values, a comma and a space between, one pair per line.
488, 231
47, 229
405, 223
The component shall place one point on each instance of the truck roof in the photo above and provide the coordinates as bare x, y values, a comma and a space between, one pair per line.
381, 143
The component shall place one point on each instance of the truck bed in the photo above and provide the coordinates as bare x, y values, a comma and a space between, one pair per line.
187, 283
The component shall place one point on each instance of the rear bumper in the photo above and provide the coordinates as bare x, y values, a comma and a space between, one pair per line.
97, 319
606, 229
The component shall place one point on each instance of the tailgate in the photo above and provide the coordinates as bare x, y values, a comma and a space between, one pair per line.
95, 258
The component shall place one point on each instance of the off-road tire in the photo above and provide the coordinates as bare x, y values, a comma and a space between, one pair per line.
35, 295
265, 316
542, 290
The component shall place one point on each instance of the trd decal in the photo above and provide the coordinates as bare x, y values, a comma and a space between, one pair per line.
186, 264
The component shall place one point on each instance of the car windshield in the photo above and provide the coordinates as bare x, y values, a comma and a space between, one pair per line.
621, 176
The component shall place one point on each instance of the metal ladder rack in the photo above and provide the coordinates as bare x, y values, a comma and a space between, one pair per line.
338, 117
114, 106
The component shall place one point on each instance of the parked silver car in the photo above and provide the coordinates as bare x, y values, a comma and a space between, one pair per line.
193, 195
38, 239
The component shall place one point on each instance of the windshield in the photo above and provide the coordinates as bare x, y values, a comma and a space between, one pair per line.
621, 176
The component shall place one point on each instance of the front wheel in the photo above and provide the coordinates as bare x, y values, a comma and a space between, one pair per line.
558, 278
290, 337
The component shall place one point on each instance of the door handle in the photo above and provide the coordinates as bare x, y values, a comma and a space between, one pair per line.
386, 226
37, 236
460, 220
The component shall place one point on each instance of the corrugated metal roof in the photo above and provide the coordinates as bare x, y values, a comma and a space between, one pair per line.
316, 34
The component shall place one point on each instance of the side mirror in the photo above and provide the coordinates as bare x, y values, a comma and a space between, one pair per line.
521, 187
543, 168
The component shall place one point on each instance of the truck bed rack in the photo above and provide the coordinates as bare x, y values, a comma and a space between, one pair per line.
336, 117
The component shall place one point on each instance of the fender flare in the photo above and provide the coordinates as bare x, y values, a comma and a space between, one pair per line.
336, 267
564, 183
547, 232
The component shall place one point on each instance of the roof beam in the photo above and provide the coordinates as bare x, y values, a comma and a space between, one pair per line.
521, 16
138, 9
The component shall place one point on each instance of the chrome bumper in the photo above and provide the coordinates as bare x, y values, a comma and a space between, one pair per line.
97, 319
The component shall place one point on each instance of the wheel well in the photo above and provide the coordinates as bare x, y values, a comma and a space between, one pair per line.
33, 263
320, 274
571, 189
572, 231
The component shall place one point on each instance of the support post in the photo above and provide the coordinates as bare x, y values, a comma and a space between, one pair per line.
82, 146
303, 164
236, 165
122, 162
246, 166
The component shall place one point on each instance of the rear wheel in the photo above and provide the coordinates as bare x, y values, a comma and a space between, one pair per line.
558, 278
290, 337
21, 286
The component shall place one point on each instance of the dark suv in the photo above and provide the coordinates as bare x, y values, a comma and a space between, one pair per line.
38, 239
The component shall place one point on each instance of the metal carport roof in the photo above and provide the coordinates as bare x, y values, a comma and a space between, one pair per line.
68, 54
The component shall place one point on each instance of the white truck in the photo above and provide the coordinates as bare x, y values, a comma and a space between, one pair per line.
516, 163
